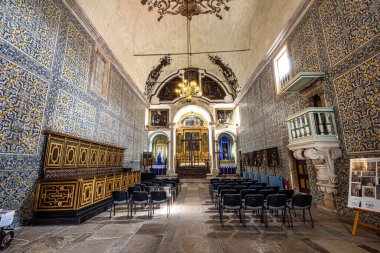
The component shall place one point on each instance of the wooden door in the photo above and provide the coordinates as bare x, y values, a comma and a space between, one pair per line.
303, 176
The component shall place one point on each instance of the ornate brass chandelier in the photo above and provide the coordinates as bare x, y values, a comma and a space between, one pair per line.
187, 89
187, 8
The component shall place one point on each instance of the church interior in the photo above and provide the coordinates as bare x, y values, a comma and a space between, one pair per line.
189, 126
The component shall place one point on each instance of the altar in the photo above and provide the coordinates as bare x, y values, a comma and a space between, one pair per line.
158, 169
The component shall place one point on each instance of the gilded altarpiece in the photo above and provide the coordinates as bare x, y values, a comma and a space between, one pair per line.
192, 140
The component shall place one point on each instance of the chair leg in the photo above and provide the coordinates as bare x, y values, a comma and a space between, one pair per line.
266, 217
303, 214
311, 218
221, 216
168, 209
243, 213
291, 220
110, 211
114, 210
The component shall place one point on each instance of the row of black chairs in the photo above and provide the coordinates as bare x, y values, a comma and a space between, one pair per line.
138, 197
260, 204
255, 187
148, 193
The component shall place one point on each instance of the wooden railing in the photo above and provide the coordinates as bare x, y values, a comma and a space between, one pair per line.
314, 123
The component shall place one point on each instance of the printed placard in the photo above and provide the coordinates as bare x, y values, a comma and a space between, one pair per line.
364, 187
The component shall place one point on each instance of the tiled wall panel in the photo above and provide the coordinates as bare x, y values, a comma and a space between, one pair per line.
46, 60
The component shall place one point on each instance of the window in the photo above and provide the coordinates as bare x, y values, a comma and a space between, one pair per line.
100, 75
282, 68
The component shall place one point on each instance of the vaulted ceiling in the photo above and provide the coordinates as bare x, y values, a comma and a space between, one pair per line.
129, 28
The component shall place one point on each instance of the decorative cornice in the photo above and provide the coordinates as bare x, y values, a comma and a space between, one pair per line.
82, 18
280, 40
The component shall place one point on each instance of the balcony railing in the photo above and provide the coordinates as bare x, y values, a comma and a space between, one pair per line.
312, 124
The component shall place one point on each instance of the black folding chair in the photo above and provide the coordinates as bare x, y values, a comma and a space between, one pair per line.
288, 192
230, 202
266, 192
159, 197
140, 198
261, 184
245, 192
301, 202
277, 202
132, 189
254, 202
238, 188
119, 198
217, 193
273, 187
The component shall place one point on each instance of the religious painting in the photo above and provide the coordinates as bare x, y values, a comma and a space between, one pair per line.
211, 89
192, 121
159, 118
225, 117
167, 93
192, 141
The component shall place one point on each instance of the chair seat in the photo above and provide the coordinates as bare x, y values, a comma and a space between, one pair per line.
141, 202
123, 202
232, 207
298, 207
275, 207
253, 207
158, 201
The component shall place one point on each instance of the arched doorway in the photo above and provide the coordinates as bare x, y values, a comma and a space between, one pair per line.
160, 149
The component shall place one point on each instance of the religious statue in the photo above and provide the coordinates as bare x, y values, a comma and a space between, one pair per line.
159, 159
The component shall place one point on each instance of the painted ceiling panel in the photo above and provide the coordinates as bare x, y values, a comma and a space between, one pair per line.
129, 28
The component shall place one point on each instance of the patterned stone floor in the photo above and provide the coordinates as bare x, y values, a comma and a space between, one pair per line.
193, 226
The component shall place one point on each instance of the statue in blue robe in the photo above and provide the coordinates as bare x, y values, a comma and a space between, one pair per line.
159, 159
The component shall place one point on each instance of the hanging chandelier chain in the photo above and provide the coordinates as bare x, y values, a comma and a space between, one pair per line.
188, 43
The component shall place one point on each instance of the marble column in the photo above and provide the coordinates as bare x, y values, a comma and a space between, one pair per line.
171, 170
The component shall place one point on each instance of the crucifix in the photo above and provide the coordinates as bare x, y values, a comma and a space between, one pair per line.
192, 145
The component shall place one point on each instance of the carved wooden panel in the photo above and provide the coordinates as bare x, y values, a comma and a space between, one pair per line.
68, 152
86, 192
100, 187
54, 153
102, 156
57, 195
71, 154
74, 194
117, 183
115, 158
109, 155
130, 179
109, 186
94, 155
124, 182
120, 162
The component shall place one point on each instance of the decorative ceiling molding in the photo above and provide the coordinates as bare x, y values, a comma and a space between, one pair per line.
228, 74
155, 74
281, 39
78, 12
187, 8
